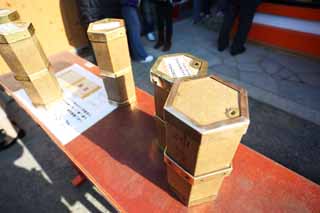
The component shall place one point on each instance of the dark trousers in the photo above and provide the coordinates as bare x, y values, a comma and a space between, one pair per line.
147, 16
246, 10
130, 15
200, 6
164, 18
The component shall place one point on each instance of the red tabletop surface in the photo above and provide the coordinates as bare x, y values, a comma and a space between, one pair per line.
120, 156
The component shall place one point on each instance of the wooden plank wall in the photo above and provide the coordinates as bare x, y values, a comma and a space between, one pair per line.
56, 22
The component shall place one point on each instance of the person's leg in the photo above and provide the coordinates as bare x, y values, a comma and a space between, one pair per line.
8, 133
131, 18
169, 26
160, 23
197, 6
206, 7
228, 20
247, 11
147, 13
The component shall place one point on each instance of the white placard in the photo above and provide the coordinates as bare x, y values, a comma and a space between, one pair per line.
178, 66
106, 26
71, 116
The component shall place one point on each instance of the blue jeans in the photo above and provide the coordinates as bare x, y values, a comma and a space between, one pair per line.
130, 15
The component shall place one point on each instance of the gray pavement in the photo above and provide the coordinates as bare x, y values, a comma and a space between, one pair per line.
284, 80
35, 175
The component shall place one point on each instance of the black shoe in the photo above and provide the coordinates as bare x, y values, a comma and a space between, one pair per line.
166, 47
5, 142
158, 44
222, 45
237, 50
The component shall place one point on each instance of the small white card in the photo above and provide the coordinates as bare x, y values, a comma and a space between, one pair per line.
178, 66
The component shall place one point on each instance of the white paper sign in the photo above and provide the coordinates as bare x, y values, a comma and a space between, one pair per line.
178, 66
71, 116
106, 26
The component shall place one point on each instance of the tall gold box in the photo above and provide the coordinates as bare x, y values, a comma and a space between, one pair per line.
109, 41
21, 49
24, 55
206, 120
8, 15
42, 87
169, 68
194, 190
120, 87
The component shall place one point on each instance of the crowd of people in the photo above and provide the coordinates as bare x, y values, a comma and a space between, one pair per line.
145, 17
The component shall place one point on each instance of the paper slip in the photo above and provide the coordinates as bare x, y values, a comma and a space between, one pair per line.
71, 116
179, 66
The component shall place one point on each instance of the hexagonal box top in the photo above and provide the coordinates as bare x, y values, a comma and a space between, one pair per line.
207, 103
98, 30
15, 31
8, 15
173, 66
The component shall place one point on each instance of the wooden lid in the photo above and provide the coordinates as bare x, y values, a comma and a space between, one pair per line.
98, 31
15, 31
206, 103
8, 15
169, 68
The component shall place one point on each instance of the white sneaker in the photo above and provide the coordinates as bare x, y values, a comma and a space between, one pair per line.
151, 36
148, 59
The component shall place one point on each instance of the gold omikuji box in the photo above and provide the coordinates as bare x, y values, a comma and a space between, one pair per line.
42, 87
192, 190
21, 49
8, 15
24, 55
169, 68
206, 120
109, 41
120, 87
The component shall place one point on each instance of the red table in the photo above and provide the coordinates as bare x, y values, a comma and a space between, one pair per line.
120, 157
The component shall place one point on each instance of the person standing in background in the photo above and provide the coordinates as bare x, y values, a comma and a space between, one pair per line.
201, 9
164, 9
147, 16
94, 10
9, 132
246, 10
129, 10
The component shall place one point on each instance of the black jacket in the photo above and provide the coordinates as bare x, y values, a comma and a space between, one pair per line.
93, 10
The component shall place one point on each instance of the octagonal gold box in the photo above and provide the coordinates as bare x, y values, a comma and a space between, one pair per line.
109, 41
42, 87
206, 119
167, 69
21, 49
8, 15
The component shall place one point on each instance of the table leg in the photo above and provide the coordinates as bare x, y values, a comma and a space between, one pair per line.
79, 179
